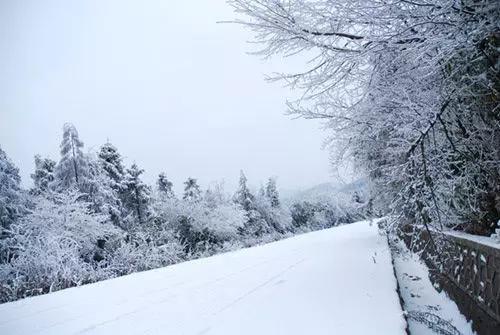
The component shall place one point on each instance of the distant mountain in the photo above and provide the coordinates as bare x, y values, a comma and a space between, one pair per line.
328, 192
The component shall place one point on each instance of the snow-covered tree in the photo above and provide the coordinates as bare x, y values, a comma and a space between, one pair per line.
243, 196
101, 191
259, 219
111, 162
10, 192
262, 191
136, 194
43, 176
272, 193
72, 168
165, 186
192, 190
112, 175
409, 90
273, 218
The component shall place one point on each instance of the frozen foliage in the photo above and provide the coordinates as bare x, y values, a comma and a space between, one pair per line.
243, 197
110, 223
320, 283
272, 193
328, 205
101, 191
144, 250
204, 226
72, 167
111, 162
165, 186
192, 190
53, 247
136, 194
409, 90
9, 192
109, 168
43, 175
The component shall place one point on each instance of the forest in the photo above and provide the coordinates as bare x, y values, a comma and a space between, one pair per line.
88, 217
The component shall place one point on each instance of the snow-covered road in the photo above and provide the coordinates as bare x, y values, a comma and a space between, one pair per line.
336, 281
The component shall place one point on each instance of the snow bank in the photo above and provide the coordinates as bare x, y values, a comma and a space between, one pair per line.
336, 281
486, 240
429, 312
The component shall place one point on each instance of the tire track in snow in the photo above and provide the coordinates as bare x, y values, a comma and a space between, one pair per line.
258, 287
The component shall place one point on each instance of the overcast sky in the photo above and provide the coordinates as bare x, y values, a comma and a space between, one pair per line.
173, 90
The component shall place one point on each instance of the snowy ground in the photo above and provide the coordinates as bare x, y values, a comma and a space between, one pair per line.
429, 312
336, 281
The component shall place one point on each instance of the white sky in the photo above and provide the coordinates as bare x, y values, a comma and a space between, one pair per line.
173, 90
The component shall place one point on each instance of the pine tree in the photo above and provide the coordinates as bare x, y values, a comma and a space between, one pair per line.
10, 191
43, 175
243, 197
101, 191
72, 168
136, 196
191, 190
111, 166
111, 162
272, 193
262, 191
165, 186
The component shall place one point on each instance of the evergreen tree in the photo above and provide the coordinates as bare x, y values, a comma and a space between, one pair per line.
111, 162
192, 190
272, 193
101, 191
243, 197
10, 191
43, 175
262, 191
72, 168
136, 196
255, 221
165, 186
111, 166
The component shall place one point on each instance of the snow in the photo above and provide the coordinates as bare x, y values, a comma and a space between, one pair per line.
486, 240
336, 281
422, 300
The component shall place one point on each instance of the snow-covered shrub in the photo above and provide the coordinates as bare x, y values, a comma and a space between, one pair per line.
302, 213
56, 246
142, 251
275, 218
317, 215
211, 221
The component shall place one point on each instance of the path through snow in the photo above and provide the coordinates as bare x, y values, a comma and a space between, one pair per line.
336, 281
